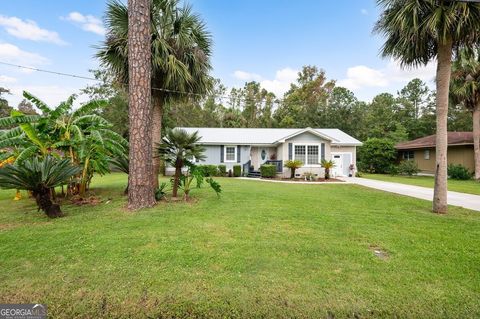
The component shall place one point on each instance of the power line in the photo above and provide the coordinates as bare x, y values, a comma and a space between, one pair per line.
276, 100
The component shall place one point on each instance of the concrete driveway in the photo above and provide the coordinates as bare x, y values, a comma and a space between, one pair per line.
454, 198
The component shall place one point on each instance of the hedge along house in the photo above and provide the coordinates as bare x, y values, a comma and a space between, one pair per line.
253, 147
422, 151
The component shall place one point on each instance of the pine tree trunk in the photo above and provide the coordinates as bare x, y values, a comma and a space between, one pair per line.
140, 190
476, 140
157, 107
444, 65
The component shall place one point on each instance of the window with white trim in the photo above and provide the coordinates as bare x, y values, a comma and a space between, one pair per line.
307, 154
230, 153
300, 153
312, 155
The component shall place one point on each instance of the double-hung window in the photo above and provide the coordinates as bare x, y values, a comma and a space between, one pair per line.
408, 155
307, 154
230, 153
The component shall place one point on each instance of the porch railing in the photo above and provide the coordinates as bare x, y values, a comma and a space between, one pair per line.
247, 167
278, 164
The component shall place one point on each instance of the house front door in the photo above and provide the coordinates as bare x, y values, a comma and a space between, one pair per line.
342, 163
262, 156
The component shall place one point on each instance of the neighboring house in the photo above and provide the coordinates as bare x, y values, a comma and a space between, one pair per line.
422, 151
252, 147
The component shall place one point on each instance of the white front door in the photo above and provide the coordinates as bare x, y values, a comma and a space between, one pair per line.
342, 163
338, 168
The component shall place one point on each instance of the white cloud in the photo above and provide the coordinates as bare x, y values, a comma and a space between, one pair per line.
53, 94
29, 30
282, 81
246, 76
278, 85
361, 76
364, 12
12, 54
5, 79
86, 22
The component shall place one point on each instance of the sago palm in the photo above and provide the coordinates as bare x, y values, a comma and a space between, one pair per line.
327, 165
180, 149
181, 49
293, 165
465, 90
418, 32
39, 177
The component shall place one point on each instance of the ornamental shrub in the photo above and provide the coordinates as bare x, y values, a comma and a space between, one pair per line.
377, 155
208, 170
408, 168
268, 171
237, 170
458, 171
222, 170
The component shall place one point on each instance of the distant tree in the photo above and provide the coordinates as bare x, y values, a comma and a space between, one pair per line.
5, 109
26, 107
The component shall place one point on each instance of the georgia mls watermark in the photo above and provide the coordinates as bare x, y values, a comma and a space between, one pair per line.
23, 311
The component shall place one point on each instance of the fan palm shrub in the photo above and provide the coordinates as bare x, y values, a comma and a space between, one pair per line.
180, 149
327, 165
293, 165
181, 48
39, 176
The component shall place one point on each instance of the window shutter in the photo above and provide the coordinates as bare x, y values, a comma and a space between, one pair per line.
290, 151
323, 151
221, 153
238, 153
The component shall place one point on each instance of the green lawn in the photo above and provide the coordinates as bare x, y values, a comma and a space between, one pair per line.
261, 250
470, 187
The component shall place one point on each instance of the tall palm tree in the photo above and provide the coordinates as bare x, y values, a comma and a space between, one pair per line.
418, 32
180, 149
465, 90
181, 49
140, 189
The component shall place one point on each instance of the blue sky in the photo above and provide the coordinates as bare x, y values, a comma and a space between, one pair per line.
267, 41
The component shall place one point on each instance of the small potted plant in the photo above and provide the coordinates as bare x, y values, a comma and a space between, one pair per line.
351, 170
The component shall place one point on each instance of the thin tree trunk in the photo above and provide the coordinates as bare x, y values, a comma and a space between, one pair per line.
176, 180
157, 107
476, 140
444, 65
140, 190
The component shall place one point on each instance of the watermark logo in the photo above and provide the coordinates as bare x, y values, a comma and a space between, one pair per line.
23, 311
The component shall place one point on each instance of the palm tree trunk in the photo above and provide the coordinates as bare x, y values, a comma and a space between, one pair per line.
140, 190
476, 140
176, 180
444, 65
157, 107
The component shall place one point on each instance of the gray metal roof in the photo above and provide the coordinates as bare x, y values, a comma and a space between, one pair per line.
248, 136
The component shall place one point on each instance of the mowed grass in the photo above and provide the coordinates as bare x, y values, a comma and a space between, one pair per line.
470, 186
262, 250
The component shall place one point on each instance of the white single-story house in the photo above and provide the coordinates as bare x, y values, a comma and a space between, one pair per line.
252, 147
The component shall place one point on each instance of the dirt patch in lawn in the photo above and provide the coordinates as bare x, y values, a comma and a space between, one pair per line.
380, 252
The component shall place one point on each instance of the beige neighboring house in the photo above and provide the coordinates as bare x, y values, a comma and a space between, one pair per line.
253, 147
422, 151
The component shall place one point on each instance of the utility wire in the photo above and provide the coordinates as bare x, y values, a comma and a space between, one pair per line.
276, 100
